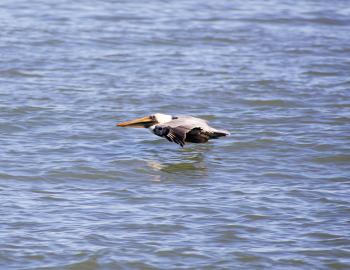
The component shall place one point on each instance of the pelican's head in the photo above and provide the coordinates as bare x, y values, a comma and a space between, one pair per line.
147, 121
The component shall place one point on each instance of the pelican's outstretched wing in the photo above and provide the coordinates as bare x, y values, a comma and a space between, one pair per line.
176, 135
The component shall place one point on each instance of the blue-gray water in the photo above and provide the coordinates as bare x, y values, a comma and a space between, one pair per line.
79, 193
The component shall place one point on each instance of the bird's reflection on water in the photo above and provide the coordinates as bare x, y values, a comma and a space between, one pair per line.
191, 163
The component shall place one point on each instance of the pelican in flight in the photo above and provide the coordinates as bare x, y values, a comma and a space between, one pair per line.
177, 129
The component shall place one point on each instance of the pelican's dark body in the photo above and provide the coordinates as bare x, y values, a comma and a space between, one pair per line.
184, 129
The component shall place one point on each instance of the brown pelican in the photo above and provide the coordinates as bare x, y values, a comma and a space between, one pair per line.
177, 129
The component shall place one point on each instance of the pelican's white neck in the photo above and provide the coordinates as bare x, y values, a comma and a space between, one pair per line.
161, 118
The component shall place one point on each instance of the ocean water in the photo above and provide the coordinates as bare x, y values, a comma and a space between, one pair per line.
77, 192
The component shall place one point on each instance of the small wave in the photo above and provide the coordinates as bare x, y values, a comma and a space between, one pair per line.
255, 217
333, 159
28, 109
90, 263
296, 20
6, 176
322, 235
247, 258
338, 265
222, 40
299, 51
320, 73
271, 102
328, 21
19, 73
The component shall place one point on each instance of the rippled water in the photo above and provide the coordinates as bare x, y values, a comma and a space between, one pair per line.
79, 193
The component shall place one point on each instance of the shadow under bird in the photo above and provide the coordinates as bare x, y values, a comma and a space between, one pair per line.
177, 129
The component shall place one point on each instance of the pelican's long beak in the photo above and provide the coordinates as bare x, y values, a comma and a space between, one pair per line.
143, 122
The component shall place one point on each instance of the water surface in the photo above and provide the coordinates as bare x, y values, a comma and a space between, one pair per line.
79, 193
